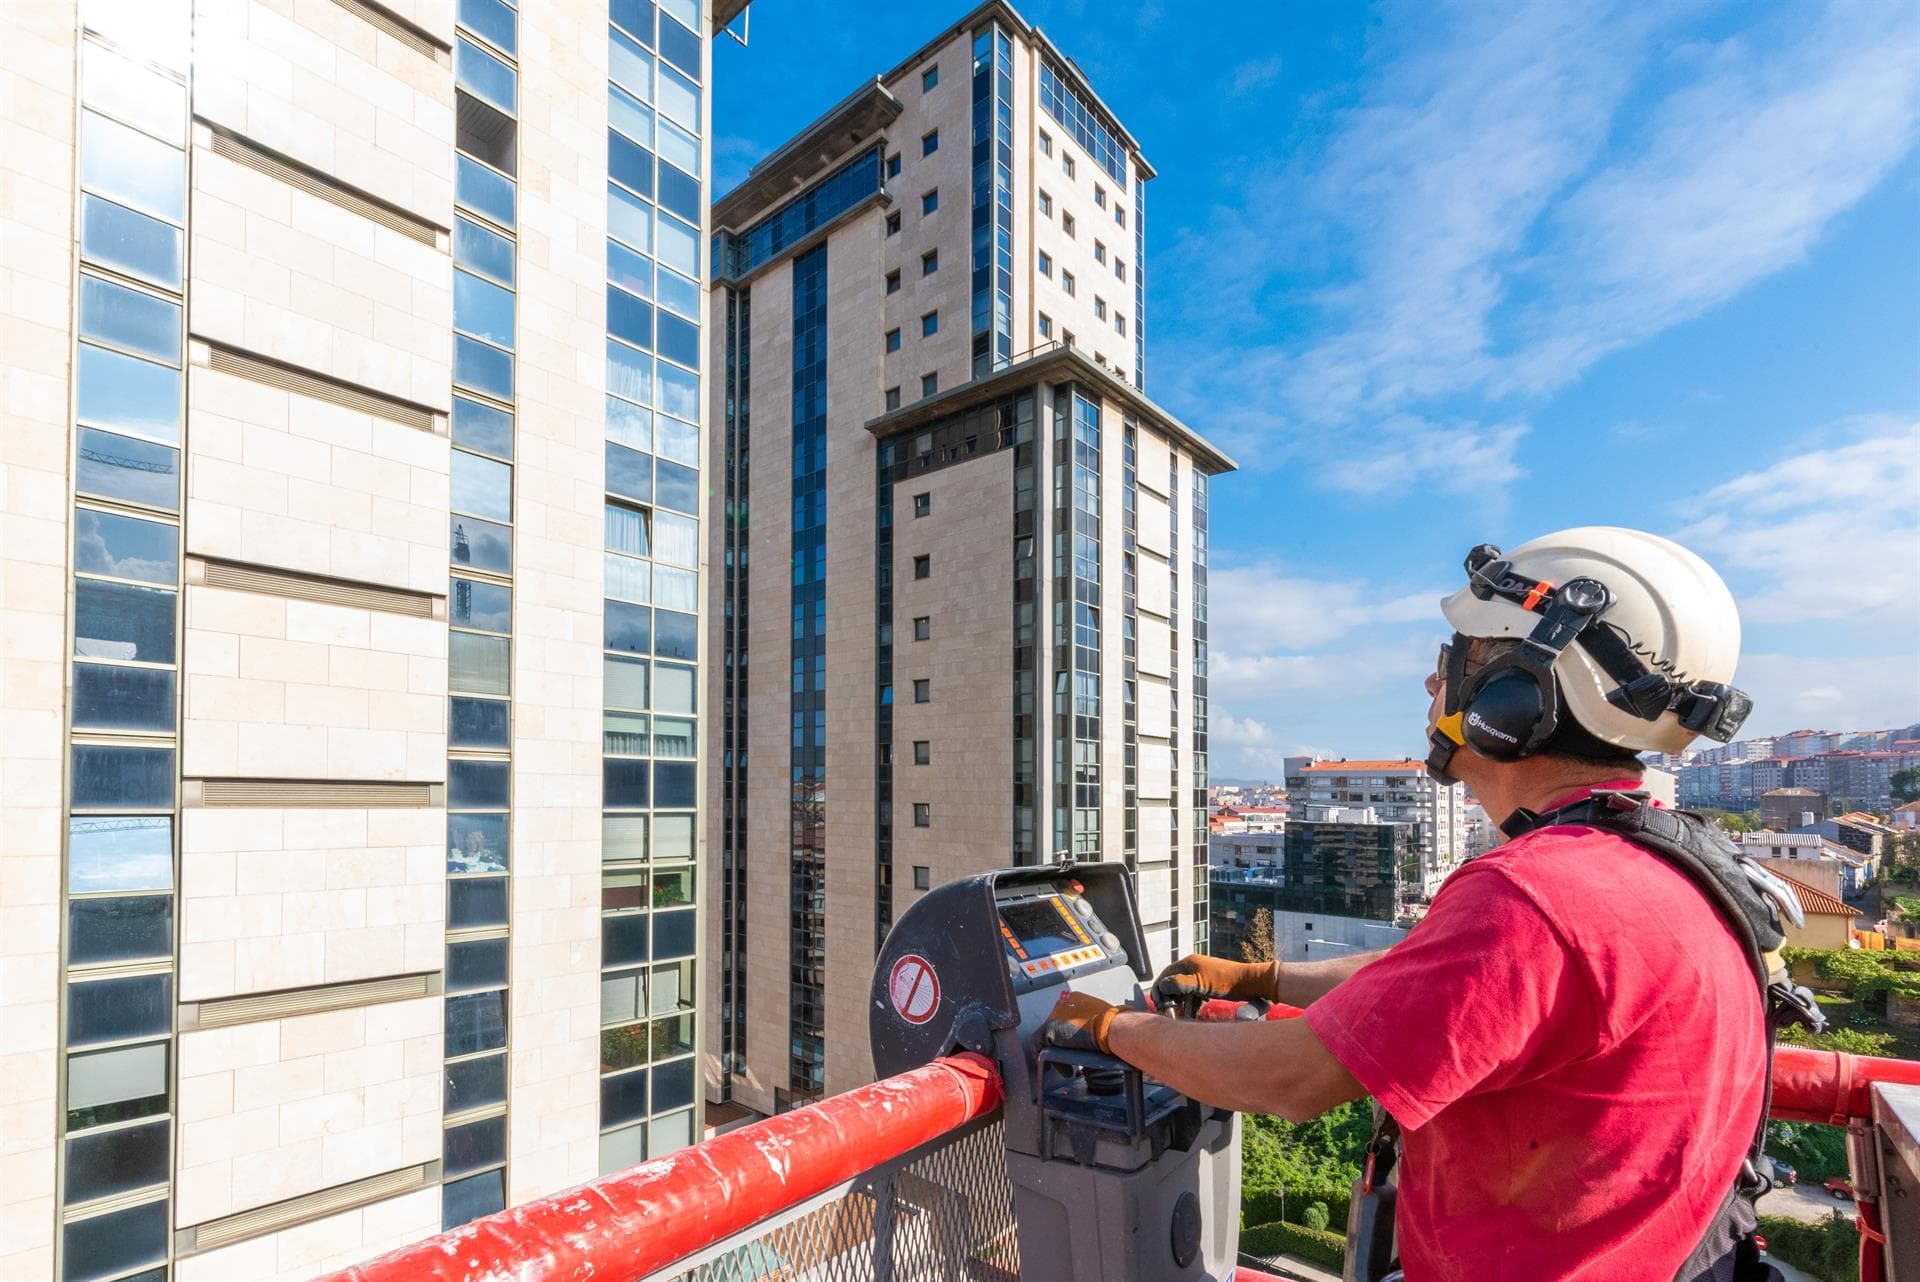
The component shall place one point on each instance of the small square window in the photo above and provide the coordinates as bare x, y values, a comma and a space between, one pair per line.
893, 398
922, 877
1120, 215
1120, 323
1066, 281
893, 281
1066, 163
922, 814
930, 262
893, 223
922, 752
929, 201
1100, 195
923, 566
893, 165
929, 78
929, 384
1046, 325
1066, 222
893, 340
929, 324
1099, 307
1066, 336
1046, 205
923, 627
930, 142
922, 690
1046, 143
922, 504
1046, 263
1099, 252
1120, 268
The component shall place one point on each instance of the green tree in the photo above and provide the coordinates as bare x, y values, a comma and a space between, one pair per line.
1315, 1216
1258, 945
1730, 820
1906, 785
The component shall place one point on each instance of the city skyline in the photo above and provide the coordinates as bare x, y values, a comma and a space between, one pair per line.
1405, 383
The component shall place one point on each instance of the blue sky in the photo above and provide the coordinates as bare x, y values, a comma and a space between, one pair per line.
1439, 276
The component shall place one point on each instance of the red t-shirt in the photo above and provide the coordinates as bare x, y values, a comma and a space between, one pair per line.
1572, 1044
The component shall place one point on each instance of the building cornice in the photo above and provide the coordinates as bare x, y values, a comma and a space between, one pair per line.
812, 153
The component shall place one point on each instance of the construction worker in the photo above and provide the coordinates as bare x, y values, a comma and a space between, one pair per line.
1572, 1042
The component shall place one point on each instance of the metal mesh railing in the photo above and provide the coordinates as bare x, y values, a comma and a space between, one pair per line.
941, 1213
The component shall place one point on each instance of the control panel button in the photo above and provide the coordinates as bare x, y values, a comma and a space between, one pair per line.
1082, 907
1110, 940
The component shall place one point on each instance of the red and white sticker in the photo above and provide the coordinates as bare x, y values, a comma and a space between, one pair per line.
914, 988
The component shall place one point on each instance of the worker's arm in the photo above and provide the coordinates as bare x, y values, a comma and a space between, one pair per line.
1304, 983
1273, 1066
1263, 1066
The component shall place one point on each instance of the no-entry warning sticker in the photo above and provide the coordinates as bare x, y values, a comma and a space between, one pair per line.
914, 988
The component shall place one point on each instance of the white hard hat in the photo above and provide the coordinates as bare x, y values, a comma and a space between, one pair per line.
1669, 616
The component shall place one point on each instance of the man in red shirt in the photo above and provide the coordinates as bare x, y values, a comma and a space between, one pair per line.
1572, 1041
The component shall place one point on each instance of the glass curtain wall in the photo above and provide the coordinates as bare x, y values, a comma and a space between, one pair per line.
1130, 640
656, 196
883, 698
807, 886
1198, 819
1077, 607
1173, 683
1027, 798
735, 693
480, 612
992, 218
117, 1107
1140, 282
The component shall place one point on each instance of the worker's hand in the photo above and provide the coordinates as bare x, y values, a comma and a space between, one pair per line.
1197, 977
1079, 1022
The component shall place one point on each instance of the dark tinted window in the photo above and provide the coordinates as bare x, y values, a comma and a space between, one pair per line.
677, 487
116, 1161
476, 1144
675, 635
123, 928
476, 901
624, 784
120, 621
623, 1098
623, 939
122, 698
629, 628
112, 778
120, 467
472, 1083
673, 1085
476, 1022
478, 723
478, 963
672, 935
108, 1010
109, 1244
673, 784
477, 783
471, 1198
629, 472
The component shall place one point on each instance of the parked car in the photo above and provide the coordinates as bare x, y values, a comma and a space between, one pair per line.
1782, 1175
1840, 1186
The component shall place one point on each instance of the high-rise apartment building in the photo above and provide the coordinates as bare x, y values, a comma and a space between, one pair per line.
350, 503
1399, 792
959, 579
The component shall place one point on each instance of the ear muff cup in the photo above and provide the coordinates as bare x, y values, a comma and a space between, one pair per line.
1508, 714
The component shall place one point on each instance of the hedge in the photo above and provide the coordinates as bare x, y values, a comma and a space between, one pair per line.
1316, 1246
1829, 1250
1269, 1206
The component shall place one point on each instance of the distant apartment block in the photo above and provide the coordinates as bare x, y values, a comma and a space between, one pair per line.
353, 479
960, 594
1336, 884
1397, 791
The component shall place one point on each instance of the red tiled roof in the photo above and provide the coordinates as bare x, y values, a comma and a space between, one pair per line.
1816, 901
1365, 767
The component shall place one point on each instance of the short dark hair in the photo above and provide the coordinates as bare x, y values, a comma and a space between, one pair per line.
1569, 739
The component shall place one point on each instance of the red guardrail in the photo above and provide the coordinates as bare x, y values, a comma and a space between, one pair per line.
1831, 1086
660, 1212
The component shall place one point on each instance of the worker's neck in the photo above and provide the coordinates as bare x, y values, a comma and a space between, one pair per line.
1537, 783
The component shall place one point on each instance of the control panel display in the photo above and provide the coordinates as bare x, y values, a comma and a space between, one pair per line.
1044, 935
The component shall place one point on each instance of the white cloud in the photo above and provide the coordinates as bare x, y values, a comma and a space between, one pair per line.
1404, 452
1255, 73
1264, 606
1793, 691
1828, 534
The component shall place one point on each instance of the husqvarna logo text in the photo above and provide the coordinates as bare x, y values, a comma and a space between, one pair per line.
1473, 719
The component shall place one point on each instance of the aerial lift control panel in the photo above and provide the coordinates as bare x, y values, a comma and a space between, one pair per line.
1116, 1177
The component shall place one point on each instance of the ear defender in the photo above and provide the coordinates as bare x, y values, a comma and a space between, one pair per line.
1509, 712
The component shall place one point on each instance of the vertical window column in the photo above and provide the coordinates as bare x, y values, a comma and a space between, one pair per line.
1173, 686
1201, 885
736, 691
656, 196
121, 869
992, 208
1027, 797
883, 697
1140, 281
480, 615
808, 655
1076, 625
1130, 639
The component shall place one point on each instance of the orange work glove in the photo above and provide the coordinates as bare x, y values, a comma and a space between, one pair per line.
1196, 976
1079, 1022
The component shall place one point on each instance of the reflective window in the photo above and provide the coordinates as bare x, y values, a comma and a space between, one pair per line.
677, 147
116, 1085
111, 698
625, 734
481, 544
476, 901
483, 190
678, 441
675, 589
477, 1144
476, 1022
623, 1098
476, 963
117, 237
623, 784
119, 852
678, 341
120, 621
478, 664
628, 628
128, 318
128, 166
491, 19
475, 1083
484, 74
630, 164
477, 723
124, 392
623, 1148
482, 427
687, 11
116, 1161
477, 783
629, 318
629, 472
108, 1245
125, 547
626, 530
629, 424
486, 606
123, 928
630, 65
622, 1047
629, 115
679, 246
623, 937
677, 391
678, 98
112, 1010
120, 467
473, 1197
484, 251
476, 843
482, 308
630, 271
676, 539
678, 45
676, 487
679, 294
482, 486
673, 784
680, 193
482, 367
109, 777
675, 635
673, 1084
629, 372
